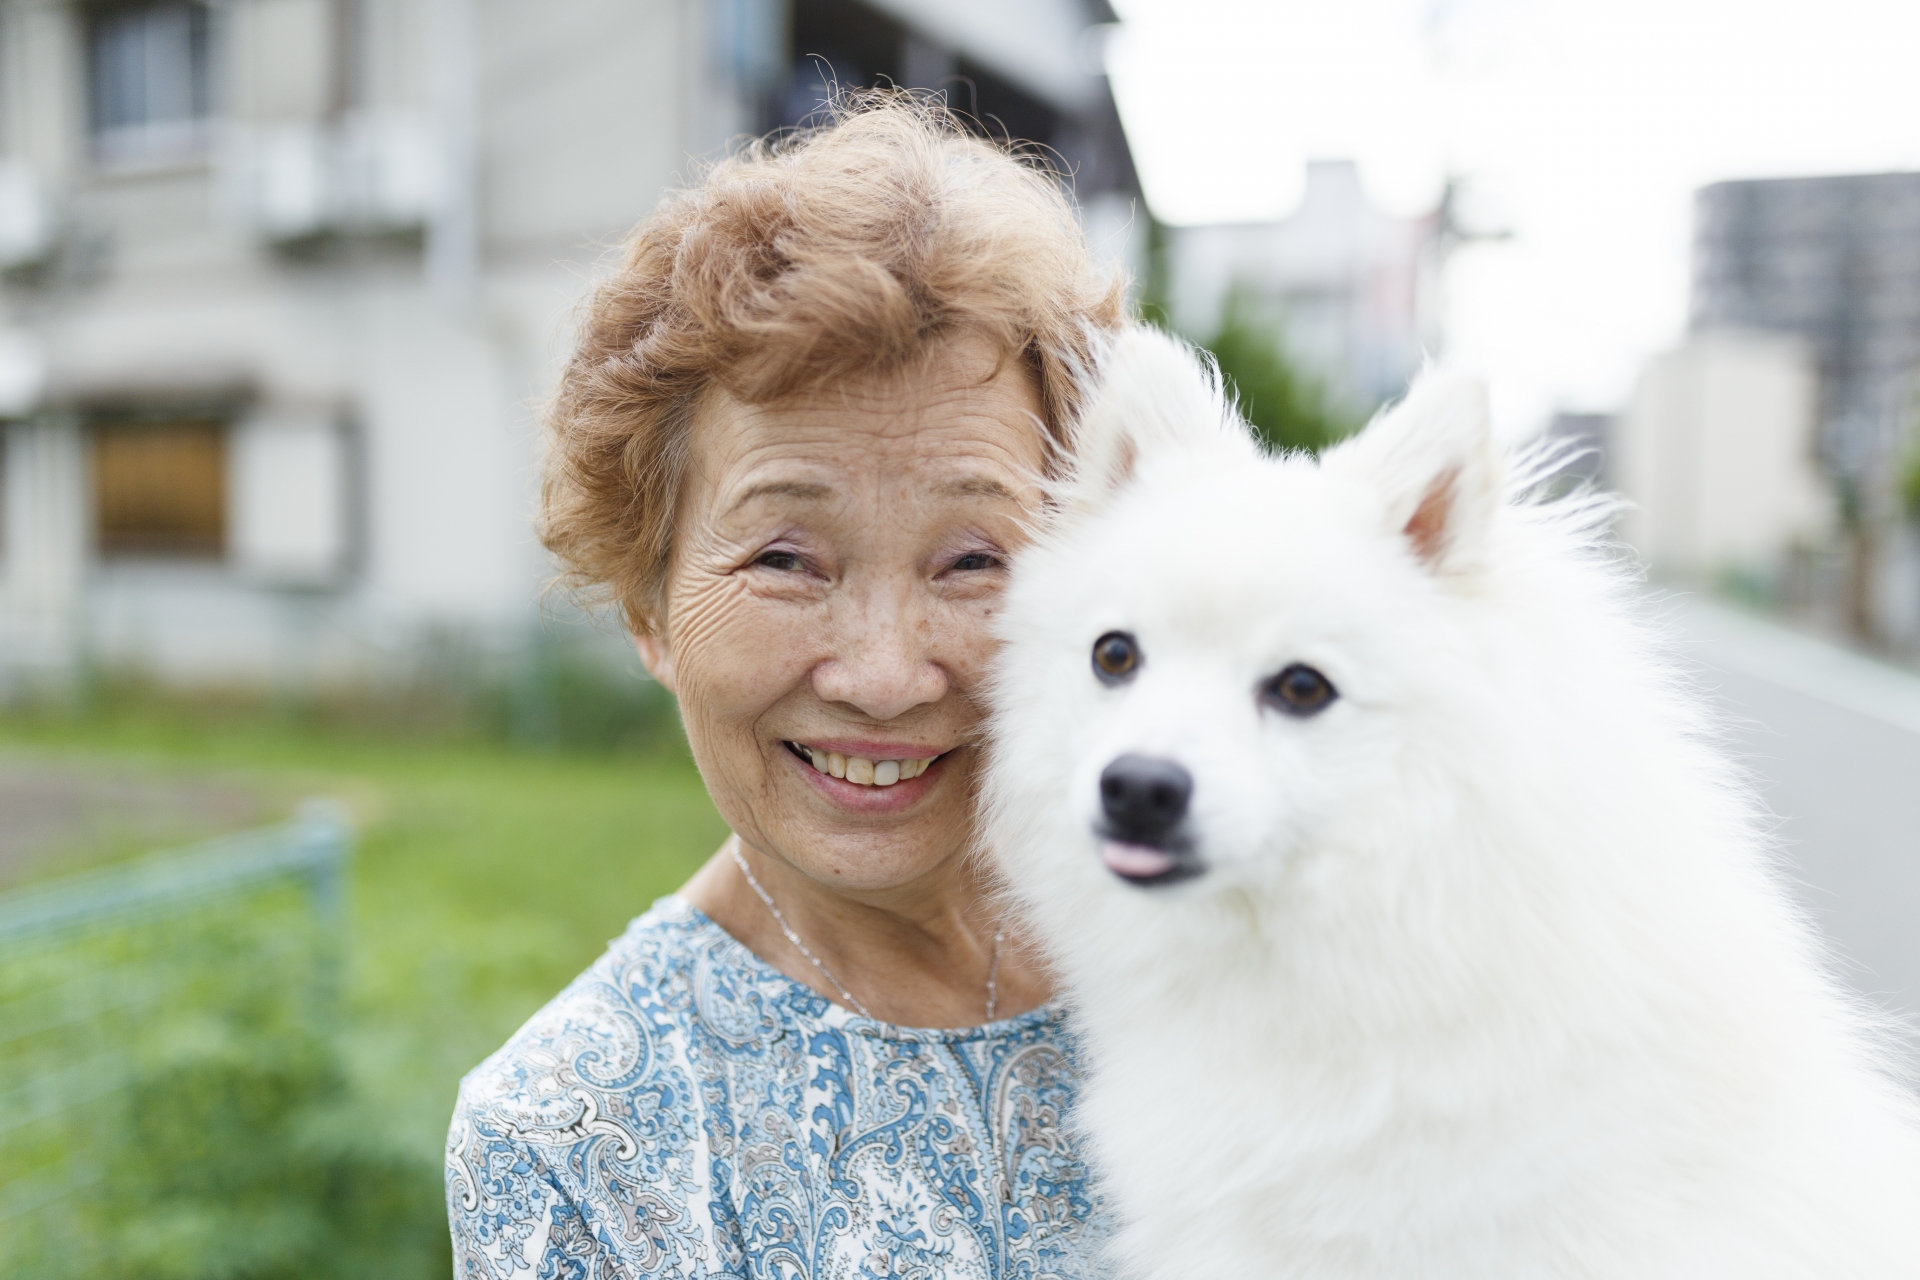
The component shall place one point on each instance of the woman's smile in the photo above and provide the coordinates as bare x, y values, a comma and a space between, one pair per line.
868, 777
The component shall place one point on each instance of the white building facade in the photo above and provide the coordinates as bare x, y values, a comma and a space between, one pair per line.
1717, 452
281, 282
1348, 287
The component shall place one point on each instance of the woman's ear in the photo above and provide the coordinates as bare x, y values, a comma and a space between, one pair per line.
657, 657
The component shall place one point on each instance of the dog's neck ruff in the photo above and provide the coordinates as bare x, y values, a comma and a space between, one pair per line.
993, 968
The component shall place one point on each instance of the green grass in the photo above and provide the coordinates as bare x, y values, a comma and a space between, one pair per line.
490, 881
484, 878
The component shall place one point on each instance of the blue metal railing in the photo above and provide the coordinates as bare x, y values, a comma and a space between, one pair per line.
312, 848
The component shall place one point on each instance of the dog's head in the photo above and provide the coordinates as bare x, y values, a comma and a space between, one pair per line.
1215, 653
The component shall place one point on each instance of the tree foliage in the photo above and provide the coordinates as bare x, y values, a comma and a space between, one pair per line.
1286, 406
1910, 488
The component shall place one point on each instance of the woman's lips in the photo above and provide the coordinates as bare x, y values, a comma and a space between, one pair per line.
875, 795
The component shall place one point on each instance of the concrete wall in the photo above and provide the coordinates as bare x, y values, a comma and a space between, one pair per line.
164, 282
1716, 452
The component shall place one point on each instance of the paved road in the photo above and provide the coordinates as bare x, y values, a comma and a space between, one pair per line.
1835, 741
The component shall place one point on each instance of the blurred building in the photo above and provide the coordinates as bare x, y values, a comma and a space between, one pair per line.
280, 280
1835, 262
1716, 452
1021, 70
1346, 286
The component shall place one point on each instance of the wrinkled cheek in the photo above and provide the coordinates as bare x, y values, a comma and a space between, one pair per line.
734, 657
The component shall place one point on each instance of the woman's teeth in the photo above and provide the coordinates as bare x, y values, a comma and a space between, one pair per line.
861, 771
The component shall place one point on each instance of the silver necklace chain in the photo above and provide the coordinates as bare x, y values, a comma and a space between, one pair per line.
993, 970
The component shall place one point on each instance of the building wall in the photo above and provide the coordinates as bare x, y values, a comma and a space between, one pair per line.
1836, 262
585, 98
1716, 454
1341, 281
417, 332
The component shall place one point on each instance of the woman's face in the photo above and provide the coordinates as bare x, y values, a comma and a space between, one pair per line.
837, 561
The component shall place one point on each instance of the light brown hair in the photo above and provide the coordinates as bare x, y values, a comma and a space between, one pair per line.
850, 249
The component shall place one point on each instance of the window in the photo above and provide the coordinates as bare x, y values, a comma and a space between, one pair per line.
148, 80
160, 488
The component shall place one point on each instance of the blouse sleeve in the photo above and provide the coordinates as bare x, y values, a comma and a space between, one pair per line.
577, 1151
580, 1150
507, 1207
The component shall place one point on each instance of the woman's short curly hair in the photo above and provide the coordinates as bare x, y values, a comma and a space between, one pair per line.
852, 248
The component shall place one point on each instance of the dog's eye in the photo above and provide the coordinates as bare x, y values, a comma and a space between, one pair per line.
1299, 691
1115, 655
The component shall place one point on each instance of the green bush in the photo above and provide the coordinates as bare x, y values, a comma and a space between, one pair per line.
559, 693
1910, 486
192, 1118
1288, 409
1285, 405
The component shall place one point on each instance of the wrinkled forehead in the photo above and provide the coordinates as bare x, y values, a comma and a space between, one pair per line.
966, 424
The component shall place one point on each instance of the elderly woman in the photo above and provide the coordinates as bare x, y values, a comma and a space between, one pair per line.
801, 435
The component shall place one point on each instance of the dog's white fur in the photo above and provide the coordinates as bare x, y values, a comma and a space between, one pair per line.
1489, 974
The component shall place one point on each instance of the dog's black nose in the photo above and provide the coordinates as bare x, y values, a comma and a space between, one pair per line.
1144, 798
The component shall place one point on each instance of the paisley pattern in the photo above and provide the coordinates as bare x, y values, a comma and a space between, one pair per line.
684, 1110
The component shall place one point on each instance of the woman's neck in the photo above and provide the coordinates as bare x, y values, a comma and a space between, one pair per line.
916, 954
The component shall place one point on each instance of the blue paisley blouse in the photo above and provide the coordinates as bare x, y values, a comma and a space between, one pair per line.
684, 1110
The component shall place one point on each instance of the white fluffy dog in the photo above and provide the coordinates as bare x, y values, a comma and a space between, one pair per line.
1414, 925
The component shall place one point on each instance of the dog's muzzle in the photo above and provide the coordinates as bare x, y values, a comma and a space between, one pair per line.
1143, 801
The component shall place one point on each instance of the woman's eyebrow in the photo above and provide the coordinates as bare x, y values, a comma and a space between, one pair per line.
803, 490
973, 487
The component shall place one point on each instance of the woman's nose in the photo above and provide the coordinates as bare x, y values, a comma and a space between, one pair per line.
882, 663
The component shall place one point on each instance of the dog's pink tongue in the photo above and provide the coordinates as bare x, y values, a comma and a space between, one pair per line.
1135, 859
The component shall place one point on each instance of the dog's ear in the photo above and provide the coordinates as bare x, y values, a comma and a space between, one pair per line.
1432, 458
1154, 396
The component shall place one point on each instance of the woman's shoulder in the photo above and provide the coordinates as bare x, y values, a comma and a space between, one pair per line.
628, 1014
603, 1073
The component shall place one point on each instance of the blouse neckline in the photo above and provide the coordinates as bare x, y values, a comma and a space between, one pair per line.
802, 999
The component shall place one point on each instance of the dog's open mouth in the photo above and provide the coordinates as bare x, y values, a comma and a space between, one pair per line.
1148, 865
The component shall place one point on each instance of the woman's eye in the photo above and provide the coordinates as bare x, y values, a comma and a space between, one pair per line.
1299, 690
785, 561
976, 560
1115, 656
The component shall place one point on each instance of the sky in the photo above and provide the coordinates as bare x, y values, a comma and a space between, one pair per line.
1581, 127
